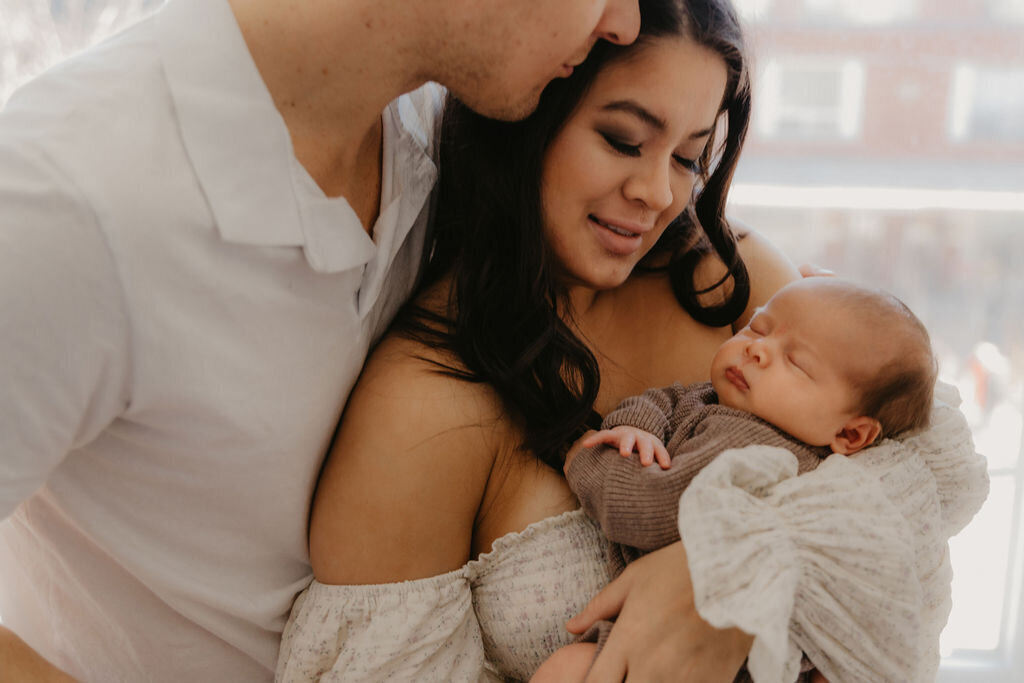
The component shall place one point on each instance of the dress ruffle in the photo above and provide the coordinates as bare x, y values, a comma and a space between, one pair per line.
496, 618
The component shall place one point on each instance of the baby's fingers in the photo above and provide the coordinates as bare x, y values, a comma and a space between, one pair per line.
597, 438
646, 449
626, 443
662, 456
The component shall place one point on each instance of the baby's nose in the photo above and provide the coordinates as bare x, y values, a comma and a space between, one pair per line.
757, 351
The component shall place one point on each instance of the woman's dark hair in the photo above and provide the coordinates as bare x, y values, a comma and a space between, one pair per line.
504, 320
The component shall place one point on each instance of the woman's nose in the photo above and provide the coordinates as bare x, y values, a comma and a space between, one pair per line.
651, 184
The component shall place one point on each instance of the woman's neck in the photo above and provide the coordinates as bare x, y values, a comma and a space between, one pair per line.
580, 301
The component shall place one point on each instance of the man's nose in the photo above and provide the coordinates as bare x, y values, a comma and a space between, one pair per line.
620, 23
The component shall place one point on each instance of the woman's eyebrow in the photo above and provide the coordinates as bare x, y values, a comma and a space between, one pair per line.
636, 109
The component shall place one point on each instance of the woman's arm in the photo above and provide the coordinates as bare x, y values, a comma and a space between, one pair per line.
392, 517
401, 488
19, 663
769, 271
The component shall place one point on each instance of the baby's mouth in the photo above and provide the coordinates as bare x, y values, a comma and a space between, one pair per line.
736, 378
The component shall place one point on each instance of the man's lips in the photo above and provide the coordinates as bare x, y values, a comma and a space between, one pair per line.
736, 378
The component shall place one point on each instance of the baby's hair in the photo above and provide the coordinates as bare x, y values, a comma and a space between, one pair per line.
898, 393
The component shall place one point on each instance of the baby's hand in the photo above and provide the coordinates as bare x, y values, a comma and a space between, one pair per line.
627, 439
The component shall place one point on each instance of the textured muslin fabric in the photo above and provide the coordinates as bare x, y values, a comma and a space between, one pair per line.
848, 563
496, 618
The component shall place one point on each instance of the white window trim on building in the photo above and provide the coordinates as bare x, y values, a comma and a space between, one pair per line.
847, 114
963, 98
864, 11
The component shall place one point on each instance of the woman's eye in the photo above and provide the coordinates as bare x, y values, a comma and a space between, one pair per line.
691, 165
621, 146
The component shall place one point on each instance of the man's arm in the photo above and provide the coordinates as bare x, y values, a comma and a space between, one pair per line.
63, 330
21, 664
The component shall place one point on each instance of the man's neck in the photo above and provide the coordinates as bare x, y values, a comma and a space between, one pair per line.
332, 68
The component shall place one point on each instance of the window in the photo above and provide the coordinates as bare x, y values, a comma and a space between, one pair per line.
925, 199
987, 103
862, 11
810, 99
1012, 10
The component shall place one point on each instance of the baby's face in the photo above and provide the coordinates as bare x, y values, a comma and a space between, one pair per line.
791, 365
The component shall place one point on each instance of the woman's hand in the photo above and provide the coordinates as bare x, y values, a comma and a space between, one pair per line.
658, 635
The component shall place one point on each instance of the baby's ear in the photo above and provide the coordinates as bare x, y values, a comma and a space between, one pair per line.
857, 433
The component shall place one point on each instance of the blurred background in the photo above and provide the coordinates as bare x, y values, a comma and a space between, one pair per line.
887, 145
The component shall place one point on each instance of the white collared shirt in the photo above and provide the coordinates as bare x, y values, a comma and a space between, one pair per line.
182, 315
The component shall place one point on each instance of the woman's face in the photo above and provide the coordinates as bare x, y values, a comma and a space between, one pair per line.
624, 164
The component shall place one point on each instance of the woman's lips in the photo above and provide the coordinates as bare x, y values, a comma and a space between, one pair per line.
736, 378
614, 238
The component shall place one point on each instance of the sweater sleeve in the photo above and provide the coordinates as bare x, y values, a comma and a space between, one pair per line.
635, 505
650, 411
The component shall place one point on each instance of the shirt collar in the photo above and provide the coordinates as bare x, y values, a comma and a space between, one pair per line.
254, 185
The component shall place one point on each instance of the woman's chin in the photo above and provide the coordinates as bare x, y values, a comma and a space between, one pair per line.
600, 282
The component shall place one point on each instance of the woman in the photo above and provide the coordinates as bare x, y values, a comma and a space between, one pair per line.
548, 321
574, 250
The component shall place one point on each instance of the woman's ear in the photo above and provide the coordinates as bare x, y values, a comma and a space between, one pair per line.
857, 433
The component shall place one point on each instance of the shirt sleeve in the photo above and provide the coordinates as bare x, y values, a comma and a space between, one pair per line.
821, 563
423, 630
63, 330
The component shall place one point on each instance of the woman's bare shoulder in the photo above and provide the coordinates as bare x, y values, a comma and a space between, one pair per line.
399, 493
768, 268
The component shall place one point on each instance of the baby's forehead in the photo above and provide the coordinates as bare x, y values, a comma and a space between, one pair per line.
828, 316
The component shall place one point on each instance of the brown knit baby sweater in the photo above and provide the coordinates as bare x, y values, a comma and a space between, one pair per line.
637, 507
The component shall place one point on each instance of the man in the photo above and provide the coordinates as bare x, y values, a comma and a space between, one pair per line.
205, 223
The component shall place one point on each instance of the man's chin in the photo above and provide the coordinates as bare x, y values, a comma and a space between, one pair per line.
507, 109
